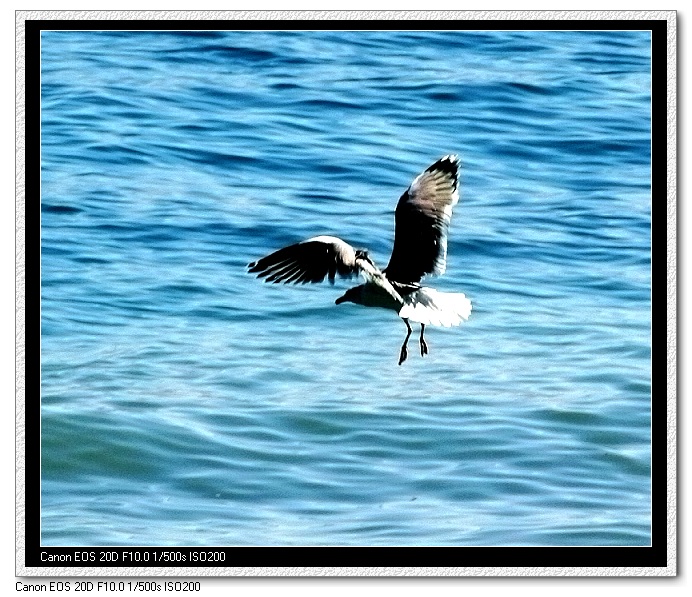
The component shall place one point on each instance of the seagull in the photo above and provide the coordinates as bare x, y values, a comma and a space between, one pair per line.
422, 219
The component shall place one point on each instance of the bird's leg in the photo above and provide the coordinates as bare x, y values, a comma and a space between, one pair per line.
423, 345
404, 352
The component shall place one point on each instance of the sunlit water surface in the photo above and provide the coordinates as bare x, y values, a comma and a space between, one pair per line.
184, 402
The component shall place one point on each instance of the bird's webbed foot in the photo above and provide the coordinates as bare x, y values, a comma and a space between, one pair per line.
423, 347
404, 351
403, 355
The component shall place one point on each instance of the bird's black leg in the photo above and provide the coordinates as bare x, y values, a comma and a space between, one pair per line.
404, 351
423, 345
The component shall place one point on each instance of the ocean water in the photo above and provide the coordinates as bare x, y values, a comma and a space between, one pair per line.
185, 402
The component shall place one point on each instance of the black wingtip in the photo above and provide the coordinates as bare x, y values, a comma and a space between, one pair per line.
448, 163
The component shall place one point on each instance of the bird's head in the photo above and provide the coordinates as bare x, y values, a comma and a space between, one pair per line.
352, 295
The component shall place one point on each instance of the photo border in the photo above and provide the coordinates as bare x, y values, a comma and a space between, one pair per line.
659, 559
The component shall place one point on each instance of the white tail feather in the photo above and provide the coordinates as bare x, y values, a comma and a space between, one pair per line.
430, 307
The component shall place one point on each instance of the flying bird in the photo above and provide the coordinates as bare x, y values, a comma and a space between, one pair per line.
422, 220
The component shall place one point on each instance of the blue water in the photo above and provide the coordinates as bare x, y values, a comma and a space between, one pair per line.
184, 402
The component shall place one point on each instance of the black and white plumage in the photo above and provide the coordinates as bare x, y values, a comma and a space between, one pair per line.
422, 221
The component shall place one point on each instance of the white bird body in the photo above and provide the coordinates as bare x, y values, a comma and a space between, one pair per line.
423, 305
422, 216
428, 306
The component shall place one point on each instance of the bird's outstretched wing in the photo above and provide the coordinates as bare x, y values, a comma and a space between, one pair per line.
318, 258
422, 219
311, 260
